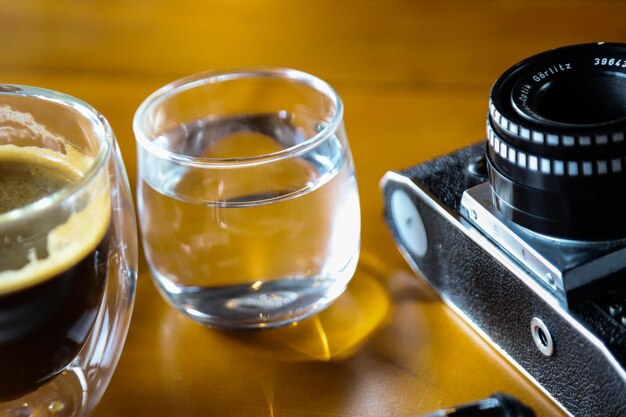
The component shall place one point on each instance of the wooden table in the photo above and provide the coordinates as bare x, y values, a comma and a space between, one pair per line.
414, 76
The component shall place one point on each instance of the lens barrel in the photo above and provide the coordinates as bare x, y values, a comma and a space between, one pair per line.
556, 147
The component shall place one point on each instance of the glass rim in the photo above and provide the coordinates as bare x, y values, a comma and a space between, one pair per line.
104, 147
215, 76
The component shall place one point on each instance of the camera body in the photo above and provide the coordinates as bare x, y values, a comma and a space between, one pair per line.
555, 308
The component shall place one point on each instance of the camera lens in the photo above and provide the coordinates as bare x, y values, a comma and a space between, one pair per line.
556, 149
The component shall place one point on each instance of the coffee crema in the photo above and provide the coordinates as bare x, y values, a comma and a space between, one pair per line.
53, 262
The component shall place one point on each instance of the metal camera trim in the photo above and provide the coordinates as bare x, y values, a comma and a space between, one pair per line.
562, 265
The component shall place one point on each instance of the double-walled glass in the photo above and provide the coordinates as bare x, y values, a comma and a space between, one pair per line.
247, 196
68, 254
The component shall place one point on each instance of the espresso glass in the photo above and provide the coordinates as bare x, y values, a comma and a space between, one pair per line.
247, 196
68, 254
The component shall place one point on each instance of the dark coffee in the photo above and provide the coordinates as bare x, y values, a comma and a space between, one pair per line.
50, 292
22, 183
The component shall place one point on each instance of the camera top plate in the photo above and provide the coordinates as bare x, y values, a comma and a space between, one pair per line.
562, 265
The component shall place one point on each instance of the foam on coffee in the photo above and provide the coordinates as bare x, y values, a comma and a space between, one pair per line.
71, 241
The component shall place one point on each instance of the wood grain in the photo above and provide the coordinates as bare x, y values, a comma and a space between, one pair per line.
415, 79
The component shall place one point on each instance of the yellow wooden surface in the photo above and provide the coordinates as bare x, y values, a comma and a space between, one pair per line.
414, 76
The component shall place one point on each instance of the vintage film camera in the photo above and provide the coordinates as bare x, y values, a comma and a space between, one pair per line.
524, 235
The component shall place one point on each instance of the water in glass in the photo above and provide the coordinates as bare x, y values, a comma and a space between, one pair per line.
250, 252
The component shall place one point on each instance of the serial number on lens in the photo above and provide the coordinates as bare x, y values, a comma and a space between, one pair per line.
611, 62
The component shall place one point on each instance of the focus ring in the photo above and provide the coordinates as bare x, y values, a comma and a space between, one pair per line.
553, 138
505, 154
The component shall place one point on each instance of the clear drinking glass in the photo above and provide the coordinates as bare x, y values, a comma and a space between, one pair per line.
248, 203
68, 254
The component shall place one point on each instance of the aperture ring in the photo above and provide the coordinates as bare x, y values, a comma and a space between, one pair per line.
553, 138
506, 154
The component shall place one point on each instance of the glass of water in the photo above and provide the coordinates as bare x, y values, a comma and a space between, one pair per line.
248, 202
